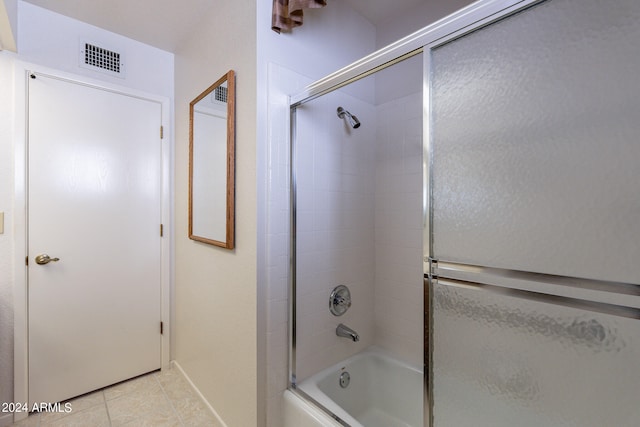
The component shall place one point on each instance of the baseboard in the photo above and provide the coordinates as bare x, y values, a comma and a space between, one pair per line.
6, 420
177, 366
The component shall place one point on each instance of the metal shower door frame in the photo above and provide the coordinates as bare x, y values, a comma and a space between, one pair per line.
464, 21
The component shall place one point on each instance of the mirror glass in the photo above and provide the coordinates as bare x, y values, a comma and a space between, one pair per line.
211, 164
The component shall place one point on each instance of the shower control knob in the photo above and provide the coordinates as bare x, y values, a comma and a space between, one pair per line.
339, 300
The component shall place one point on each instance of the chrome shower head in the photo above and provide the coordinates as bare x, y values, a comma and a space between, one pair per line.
353, 120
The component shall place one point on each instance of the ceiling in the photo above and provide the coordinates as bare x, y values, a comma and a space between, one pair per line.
377, 11
166, 23
158, 23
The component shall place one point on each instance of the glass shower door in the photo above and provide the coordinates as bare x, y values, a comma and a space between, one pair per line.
535, 207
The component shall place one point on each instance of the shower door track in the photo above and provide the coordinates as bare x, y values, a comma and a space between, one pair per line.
615, 298
610, 297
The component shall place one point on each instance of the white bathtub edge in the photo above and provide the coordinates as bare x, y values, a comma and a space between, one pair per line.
310, 388
299, 413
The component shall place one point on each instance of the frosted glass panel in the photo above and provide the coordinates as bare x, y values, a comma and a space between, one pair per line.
536, 142
502, 361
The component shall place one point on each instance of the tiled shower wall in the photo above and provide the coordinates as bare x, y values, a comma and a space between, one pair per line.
281, 83
359, 224
335, 223
399, 224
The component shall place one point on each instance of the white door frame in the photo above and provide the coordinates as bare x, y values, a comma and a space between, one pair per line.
20, 295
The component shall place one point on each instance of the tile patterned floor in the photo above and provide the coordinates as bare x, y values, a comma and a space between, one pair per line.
158, 399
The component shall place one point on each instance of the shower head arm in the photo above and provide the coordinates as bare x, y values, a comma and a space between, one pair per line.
353, 120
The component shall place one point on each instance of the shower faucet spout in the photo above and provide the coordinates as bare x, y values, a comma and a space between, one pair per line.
347, 332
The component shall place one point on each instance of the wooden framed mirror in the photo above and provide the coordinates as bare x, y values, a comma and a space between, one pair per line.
212, 164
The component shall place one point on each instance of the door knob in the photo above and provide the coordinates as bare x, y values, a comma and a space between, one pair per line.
45, 259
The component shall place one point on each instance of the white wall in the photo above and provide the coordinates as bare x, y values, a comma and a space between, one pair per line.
399, 292
215, 288
274, 280
53, 40
331, 38
8, 24
360, 221
6, 239
377, 153
399, 221
335, 228
50, 40
409, 21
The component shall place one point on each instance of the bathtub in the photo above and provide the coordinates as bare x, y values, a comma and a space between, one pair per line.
382, 392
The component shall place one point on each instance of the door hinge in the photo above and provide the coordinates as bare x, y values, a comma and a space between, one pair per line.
161, 328
161, 230
161, 132
26, 260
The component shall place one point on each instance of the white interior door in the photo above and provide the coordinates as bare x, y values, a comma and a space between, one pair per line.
94, 202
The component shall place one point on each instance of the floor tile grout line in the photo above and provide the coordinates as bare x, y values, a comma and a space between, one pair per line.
164, 392
173, 408
165, 389
66, 415
104, 400
124, 395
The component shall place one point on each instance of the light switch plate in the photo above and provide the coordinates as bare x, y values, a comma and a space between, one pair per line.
1, 222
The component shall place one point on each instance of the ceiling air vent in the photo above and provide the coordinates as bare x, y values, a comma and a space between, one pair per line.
101, 59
